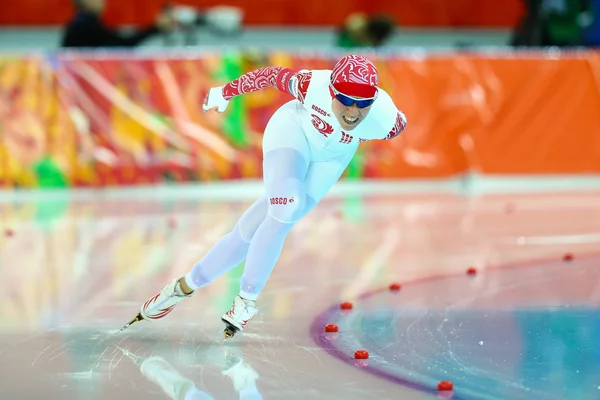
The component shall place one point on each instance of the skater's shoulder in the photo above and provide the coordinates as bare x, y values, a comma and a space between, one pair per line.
318, 77
383, 119
384, 102
383, 109
312, 86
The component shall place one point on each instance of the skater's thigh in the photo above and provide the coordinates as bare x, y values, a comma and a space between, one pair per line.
284, 131
284, 173
286, 156
321, 176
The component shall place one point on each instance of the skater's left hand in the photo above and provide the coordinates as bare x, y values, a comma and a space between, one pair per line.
214, 99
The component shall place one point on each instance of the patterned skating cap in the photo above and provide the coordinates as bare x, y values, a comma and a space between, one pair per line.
355, 76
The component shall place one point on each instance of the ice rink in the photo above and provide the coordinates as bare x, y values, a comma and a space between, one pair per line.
76, 265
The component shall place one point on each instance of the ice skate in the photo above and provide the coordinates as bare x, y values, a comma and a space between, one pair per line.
161, 304
242, 311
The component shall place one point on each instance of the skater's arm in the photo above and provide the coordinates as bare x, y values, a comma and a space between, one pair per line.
280, 78
399, 126
390, 125
285, 80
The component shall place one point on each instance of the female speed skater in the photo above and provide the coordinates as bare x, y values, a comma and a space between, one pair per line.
307, 144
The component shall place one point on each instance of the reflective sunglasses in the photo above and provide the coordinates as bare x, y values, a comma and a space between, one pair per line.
349, 100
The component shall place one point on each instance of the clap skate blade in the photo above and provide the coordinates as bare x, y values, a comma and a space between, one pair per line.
229, 330
135, 319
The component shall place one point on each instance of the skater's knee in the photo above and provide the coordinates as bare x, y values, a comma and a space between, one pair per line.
287, 202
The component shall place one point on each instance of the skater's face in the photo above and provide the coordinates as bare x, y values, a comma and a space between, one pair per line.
349, 117
350, 111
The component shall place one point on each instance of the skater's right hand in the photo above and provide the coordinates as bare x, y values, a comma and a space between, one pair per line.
214, 99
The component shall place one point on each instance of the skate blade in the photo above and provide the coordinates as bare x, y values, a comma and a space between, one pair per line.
134, 320
229, 331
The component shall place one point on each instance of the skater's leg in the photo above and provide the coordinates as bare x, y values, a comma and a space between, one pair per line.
321, 176
286, 157
318, 179
229, 251
267, 243
285, 171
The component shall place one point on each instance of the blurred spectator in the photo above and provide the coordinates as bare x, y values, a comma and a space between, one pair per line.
554, 23
219, 21
360, 30
529, 30
565, 22
592, 33
86, 29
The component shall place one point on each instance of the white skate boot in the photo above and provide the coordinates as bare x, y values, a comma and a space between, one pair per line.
242, 311
161, 304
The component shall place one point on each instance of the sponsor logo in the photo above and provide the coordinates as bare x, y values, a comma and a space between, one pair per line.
281, 200
321, 111
346, 138
323, 127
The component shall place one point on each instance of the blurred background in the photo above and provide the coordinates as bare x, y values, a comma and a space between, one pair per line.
97, 93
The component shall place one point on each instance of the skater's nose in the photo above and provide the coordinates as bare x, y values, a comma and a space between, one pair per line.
353, 110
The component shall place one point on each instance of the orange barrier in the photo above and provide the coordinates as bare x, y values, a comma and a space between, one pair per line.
118, 120
425, 13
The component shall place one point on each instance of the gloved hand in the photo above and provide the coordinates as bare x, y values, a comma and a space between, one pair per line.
214, 98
